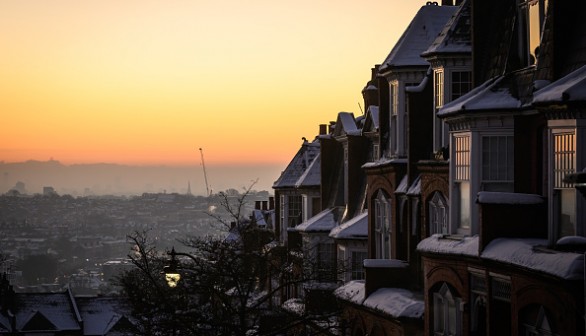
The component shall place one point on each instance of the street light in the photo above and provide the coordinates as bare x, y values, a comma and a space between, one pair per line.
172, 275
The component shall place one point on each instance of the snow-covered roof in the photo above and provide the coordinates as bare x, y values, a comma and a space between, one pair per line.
402, 187
102, 314
437, 243
372, 113
312, 175
322, 222
455, 36
571, 87
355, 228
383, 161
418, 36
523, 253
490, 197
259, 217
385, 263
396, 302
300, 162
346, 124
43, 308
488, 96
415, 188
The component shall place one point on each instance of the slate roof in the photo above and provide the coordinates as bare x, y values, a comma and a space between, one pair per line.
455, 36
298, 165
355, 228
346, 124
419, 35
322, 222
571, 87
104, 315
45, 311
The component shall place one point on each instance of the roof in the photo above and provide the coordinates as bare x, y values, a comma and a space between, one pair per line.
104, 314
396, 302
346, 124
45, 311
572, 87
454, 38
300, 162
355, 228
322, 222
312, 175
419, 35
372, 120
489, 96
523, 252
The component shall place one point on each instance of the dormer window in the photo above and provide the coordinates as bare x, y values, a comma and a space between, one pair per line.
531, 18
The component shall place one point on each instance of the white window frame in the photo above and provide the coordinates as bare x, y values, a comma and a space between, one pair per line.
382, 220
560, 192
438, 210
357, 264
461, 181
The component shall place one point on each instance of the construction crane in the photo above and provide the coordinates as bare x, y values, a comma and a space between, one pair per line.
205, 175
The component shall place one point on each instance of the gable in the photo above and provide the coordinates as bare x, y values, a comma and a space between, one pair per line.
38, 321
122, 327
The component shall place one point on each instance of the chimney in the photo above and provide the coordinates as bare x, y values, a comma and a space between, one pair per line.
323, 129
447, 2
271, 203
257, 205
331, 127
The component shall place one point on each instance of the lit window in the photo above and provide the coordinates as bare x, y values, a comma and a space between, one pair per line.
531, 19
564, 162
497, 163
438, 214
394, 119
382, 220
446, 313
438, 81
462, 179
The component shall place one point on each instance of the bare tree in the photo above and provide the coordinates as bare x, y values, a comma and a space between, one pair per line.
228, 284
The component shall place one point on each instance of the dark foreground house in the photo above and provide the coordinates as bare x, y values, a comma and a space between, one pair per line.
62, 314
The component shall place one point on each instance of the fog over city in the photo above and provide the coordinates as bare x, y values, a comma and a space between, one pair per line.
115, 179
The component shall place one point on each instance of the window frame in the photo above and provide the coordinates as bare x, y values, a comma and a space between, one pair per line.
382, 226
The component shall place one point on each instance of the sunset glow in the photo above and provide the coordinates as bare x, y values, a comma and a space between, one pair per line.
149, 82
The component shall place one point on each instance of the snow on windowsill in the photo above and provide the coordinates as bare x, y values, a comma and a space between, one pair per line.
385, 263
488, 197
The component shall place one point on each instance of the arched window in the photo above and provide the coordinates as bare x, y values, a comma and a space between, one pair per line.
447, 316
438, 214
382, 226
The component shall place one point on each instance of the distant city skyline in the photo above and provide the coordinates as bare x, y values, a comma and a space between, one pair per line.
115, 179
150, 82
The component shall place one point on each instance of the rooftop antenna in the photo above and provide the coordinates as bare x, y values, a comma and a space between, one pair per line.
205, 175
360, 107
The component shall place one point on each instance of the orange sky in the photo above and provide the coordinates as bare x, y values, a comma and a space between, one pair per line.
149, 82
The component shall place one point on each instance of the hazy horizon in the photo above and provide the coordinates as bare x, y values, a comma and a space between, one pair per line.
124, 179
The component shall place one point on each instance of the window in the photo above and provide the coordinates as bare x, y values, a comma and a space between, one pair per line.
540, 326
294, 210
357, 267
438, 214
394, 118
438, 80
478, 295
531, 19
497, 163
461, 83
394, 98
564, 195
326, 257
382, 220
446, 312
462, 179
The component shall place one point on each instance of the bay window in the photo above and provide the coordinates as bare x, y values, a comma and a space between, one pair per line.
462, 160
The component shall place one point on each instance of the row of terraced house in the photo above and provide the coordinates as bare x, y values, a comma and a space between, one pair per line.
454, 201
